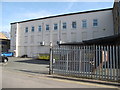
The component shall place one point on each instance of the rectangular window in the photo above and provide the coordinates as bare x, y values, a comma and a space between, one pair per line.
39, 28
55, 26
47, 27
74, 25
84, 23
26, 30
33, 29
95, 22
64, 25
3, 42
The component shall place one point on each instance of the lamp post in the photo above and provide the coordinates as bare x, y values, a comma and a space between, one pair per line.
51, 60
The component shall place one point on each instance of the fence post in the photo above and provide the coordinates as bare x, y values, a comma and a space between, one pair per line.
51, 62
67, 63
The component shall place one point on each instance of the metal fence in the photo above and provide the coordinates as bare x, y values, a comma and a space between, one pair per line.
95, 62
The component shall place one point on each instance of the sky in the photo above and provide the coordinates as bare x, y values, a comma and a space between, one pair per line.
20, 11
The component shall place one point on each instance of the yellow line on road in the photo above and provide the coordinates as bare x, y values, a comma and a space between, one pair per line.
67, 81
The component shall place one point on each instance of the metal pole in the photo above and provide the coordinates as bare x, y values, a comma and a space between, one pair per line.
103, 53
51, 62
84, 63
80, 56
117, 63
105, 62
113, 62
110, 62
89, 61
96, 62
99, 51
67, 63
108, 66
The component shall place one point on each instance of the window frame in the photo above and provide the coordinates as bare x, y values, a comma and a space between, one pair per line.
84, 23
64, 25
47, 27
39, 28
26, 30
32, 28
74, 25
55, 26
95, 22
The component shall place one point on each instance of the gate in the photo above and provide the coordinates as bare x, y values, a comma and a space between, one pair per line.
94, 61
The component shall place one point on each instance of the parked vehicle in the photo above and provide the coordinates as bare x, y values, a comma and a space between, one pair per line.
24, 56
7, 54
43, 56
4, 59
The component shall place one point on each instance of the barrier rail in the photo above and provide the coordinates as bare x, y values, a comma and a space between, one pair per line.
95, 62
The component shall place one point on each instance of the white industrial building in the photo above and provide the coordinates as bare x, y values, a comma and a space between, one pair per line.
35, 36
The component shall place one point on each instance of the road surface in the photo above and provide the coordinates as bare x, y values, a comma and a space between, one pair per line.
22, 73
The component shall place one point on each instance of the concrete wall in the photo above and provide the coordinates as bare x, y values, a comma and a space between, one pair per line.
13, 37
116, 17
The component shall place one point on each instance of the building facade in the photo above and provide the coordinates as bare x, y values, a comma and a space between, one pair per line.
4, 43
116, 17
35, 36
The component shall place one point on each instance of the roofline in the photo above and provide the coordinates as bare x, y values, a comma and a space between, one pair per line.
5, 39
63, 15
4, 36
112, 40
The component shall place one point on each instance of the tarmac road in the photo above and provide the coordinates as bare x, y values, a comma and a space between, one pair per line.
28, 73
19, 80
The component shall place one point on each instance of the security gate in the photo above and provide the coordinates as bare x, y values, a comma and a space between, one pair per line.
96, 62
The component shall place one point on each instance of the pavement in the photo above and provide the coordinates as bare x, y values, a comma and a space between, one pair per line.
87, 80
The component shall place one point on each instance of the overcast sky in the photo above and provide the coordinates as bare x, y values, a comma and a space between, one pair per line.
19, 11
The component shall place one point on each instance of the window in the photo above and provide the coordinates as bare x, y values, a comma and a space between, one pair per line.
39, 28
47, 27
74, 25
55, 26
26, 30
33, 29
64, 25
95, 22
84, 23
3, 42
